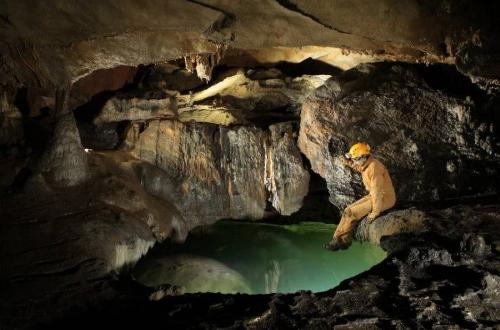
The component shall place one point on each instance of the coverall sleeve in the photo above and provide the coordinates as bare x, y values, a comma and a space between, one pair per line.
349, 163
376, 191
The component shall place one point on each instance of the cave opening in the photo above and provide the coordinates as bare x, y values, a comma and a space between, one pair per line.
254, 258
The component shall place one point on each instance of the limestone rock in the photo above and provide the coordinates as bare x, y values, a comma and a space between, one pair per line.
234, 98
73, 238
218, 115
189, 159
235, 88
58, 47
243, 164
12, 140
101, 81
212, 172
119, 109
202, 64
11, 125
167, 76
393, 223
431, 142
287, 179
122, 189
64, 163
64, 241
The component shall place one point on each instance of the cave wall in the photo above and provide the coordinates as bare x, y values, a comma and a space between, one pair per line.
212, 172
436, 144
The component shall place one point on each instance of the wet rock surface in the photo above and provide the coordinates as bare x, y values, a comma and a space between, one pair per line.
435, 146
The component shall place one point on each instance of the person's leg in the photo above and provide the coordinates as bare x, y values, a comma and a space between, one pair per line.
360, 201
388, 202
352, 214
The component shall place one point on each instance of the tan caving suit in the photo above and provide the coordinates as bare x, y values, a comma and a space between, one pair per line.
381, 195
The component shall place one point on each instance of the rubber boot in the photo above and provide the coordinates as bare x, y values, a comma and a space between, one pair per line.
338, 243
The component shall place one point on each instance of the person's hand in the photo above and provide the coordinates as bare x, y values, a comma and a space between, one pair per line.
372, 216
344, 160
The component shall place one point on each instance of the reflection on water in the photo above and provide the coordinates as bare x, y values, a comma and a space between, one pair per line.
233, 257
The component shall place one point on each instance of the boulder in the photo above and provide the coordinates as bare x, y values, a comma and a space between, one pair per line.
393, 223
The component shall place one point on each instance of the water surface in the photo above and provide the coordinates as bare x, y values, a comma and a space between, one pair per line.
232, 257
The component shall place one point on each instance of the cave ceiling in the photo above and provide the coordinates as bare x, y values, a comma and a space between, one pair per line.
58, 42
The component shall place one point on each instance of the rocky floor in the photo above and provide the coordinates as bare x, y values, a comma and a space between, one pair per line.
430, 281
442, 272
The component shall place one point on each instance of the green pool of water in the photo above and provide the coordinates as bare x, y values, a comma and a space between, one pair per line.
232, 257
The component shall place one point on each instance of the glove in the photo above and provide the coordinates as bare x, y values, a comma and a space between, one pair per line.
372, 216
344, 160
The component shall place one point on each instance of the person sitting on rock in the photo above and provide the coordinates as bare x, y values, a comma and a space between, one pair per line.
381, 195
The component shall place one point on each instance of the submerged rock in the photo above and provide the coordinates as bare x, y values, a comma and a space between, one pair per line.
435, 146
192, 273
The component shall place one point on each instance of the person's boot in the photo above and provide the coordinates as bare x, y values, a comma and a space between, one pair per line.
337, 244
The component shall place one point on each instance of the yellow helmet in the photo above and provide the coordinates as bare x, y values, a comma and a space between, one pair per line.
359, 149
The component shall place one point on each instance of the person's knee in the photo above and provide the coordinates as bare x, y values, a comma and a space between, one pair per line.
348, 214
